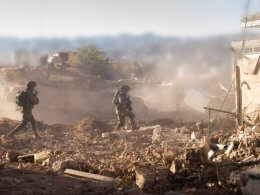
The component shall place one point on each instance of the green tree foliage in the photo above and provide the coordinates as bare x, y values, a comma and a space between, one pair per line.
95, 62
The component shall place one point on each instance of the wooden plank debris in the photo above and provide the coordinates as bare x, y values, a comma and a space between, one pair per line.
89, 175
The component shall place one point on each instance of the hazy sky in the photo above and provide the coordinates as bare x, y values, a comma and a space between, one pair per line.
26, 18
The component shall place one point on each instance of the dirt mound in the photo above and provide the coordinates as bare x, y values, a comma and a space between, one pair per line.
90, 124
164, 122
7, 124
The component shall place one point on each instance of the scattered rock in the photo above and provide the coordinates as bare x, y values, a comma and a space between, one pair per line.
144, 177
105, 135
174, 167
157, 135
12, 155
230, 148
59, 165
193, 136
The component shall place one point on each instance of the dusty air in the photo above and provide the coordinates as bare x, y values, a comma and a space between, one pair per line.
130, 97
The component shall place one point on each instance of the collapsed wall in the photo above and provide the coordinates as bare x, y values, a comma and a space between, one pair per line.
247, 77
250, 85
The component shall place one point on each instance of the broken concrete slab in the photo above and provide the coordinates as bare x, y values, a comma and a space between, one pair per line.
26, 158
39, 157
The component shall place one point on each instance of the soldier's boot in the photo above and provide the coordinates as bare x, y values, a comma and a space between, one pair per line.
36, 135
134, 125
118, 126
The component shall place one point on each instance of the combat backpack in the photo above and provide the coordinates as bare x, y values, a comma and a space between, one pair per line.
20, 98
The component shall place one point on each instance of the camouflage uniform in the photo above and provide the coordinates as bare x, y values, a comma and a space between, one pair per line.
124, 108
30, 101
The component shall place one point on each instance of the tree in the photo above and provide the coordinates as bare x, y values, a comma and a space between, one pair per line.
94, 61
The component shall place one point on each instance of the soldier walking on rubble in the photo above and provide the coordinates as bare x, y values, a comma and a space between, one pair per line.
27, 99
124, 107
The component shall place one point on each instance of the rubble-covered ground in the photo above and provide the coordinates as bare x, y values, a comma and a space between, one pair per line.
162, 157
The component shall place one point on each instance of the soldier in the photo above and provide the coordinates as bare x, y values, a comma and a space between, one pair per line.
30, 99
124, 107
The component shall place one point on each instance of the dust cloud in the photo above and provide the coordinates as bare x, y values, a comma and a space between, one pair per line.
8, 108
178, 75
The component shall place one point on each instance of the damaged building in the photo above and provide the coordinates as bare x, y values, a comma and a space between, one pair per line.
247, 76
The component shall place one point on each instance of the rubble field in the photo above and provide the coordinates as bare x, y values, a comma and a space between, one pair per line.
162, 157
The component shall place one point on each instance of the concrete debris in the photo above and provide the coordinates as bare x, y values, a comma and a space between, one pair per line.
156, 158
193, 136
144, 177
105, 135
173, 167
157, 135
61, 165
252, 157
210, 154
218, 146
40, 156
230, 148
26, 158
43, 157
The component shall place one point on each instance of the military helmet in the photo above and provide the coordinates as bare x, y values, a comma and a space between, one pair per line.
125, 88
31, 84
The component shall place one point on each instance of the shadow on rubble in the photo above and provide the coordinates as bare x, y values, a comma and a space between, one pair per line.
21, 181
